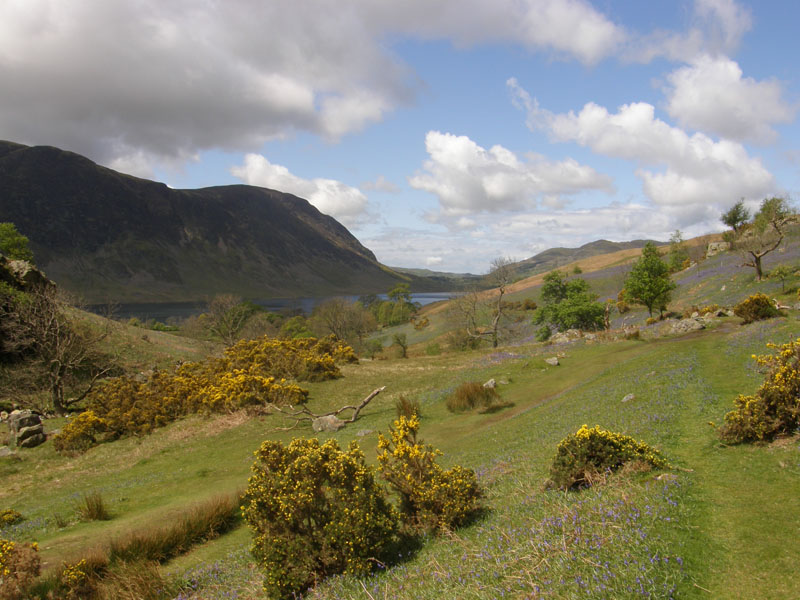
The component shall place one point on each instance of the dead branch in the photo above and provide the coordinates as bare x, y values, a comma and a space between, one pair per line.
304, 414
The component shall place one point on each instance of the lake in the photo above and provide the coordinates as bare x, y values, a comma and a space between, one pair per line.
162, 311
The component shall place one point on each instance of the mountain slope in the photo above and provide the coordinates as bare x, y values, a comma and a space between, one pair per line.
109, 236
557, 257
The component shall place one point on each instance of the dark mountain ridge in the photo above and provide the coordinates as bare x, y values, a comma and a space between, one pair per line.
110, 236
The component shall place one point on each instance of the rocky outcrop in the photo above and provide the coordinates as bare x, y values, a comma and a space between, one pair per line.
715, 248
25, 428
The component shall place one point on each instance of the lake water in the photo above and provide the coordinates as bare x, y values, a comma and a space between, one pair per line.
162, 311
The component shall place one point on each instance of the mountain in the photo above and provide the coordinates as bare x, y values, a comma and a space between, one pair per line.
557, 257
110, 236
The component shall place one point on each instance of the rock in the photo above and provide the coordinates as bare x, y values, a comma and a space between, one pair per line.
26, 432
327, 423
5, 451
730, 313
365, 432
3, 416
687, 325
19, 419
32, 441
590, 337
629, 397
715, 248
722, 289
490, 385
695, 314
552, 361
667, 477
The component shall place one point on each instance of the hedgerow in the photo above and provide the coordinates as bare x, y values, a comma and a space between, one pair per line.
583, 455
775, 407
315, 510
251, 373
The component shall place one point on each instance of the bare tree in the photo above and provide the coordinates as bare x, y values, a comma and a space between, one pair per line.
64, 351
345, 319
482, 312
227, 315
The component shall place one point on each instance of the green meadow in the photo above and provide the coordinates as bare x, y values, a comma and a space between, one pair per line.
722, 522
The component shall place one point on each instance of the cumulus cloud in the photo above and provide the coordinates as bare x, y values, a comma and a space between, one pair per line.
711, 95
162, 81
698, 176
523, 235
468, 179
342, 202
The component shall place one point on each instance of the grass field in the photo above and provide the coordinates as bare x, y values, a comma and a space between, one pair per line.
722, 523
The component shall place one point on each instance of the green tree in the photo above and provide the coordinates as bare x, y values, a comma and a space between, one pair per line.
400, 340
781, 273
649, 282
226, 316
569, 304
400, 292
13, 244
345, 319
737, 216
677, 255
764, 234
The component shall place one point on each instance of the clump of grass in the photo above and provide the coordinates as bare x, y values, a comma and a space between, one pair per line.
203, 522
93, 508
407, 407
470, 395
135, 581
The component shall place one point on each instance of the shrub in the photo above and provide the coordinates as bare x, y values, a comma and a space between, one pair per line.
622, 307
407, 408
9, 516
651, 320
433, 349
471, 395
543, 333
315, 511
583, 455
93, 508
775, 407
431, 498
756, 308
252, 372
19, 567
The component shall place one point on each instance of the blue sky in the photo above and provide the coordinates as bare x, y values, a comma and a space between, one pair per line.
442, 133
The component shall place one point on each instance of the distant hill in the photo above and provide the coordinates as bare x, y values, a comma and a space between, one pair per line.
110, 236
557, 257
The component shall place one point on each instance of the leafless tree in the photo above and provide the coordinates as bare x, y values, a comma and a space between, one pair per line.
60, 349
343, 318
227, 315
481, 313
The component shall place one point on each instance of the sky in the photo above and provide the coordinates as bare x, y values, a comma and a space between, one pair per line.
443, 133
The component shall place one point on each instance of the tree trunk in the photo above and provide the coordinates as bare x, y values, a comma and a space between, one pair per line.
757, 265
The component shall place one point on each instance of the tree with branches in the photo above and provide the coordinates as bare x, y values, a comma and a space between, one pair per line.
764, 234
482, 312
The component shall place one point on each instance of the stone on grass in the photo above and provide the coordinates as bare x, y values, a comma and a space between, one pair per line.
629, 397
327, 423
552, 361
490, 385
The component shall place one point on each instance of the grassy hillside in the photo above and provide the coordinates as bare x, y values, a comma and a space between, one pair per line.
721, 524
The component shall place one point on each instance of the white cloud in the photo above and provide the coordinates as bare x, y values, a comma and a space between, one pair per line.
381, 184
163, 81
711, 95
469, 179
699, 175
343, 202
717, 27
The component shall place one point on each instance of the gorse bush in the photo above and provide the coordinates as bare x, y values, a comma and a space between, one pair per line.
9, 516
251, 373
581, 456
775, 407
470, 395
431, 498
315, 510
756, 308
19, 567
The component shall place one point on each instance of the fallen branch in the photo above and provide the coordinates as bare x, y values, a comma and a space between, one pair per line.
304, 414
